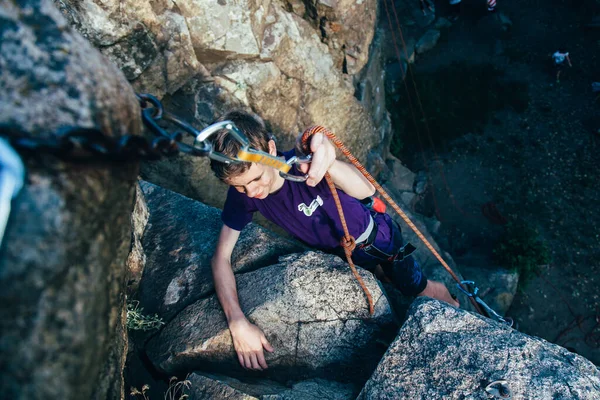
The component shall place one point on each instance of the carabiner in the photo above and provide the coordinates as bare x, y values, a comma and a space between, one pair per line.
296, 161
200, 141
248, 154
473, 291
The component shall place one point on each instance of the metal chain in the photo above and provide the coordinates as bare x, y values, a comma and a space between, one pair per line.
79, 144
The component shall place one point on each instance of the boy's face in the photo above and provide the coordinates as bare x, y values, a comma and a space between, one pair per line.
259, 180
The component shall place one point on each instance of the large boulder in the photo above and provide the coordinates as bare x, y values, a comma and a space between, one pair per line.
444, 352
311, 309
63, 265
179, 241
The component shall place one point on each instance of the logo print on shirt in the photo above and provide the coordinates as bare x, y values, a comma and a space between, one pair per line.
309, 210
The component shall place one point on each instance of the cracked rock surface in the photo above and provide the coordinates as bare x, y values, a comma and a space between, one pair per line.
443, 352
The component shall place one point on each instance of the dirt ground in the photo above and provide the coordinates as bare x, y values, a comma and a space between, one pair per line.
538, 164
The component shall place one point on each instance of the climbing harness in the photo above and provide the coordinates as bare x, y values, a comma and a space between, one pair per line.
499, 389
12, 175
469, 288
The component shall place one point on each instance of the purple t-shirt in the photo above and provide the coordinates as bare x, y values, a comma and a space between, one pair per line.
307, 213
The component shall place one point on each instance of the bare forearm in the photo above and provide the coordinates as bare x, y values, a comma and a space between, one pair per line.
225, 287
350, 180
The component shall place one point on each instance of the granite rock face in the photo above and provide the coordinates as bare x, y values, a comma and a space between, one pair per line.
63, 265
311, 309
443, 352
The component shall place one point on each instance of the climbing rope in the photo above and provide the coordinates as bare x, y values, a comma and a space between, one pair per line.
348, 243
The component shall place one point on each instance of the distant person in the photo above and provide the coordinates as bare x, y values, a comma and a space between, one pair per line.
427, 5
454, 9
559, 59
491, 5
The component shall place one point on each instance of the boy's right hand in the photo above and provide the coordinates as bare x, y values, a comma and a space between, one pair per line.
323, 157
249, 342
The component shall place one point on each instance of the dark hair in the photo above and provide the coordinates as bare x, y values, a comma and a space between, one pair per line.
224, 143
562, 49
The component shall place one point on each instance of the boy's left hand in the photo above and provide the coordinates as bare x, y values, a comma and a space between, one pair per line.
323, 157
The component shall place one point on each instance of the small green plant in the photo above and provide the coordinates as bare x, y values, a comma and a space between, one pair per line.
521, 249
138, 321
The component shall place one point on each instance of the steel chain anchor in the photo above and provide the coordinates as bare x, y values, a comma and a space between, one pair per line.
469, 288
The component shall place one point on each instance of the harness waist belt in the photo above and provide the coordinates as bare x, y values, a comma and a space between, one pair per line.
367, 233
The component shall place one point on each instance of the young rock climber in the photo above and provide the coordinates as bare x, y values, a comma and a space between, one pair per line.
307, 211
